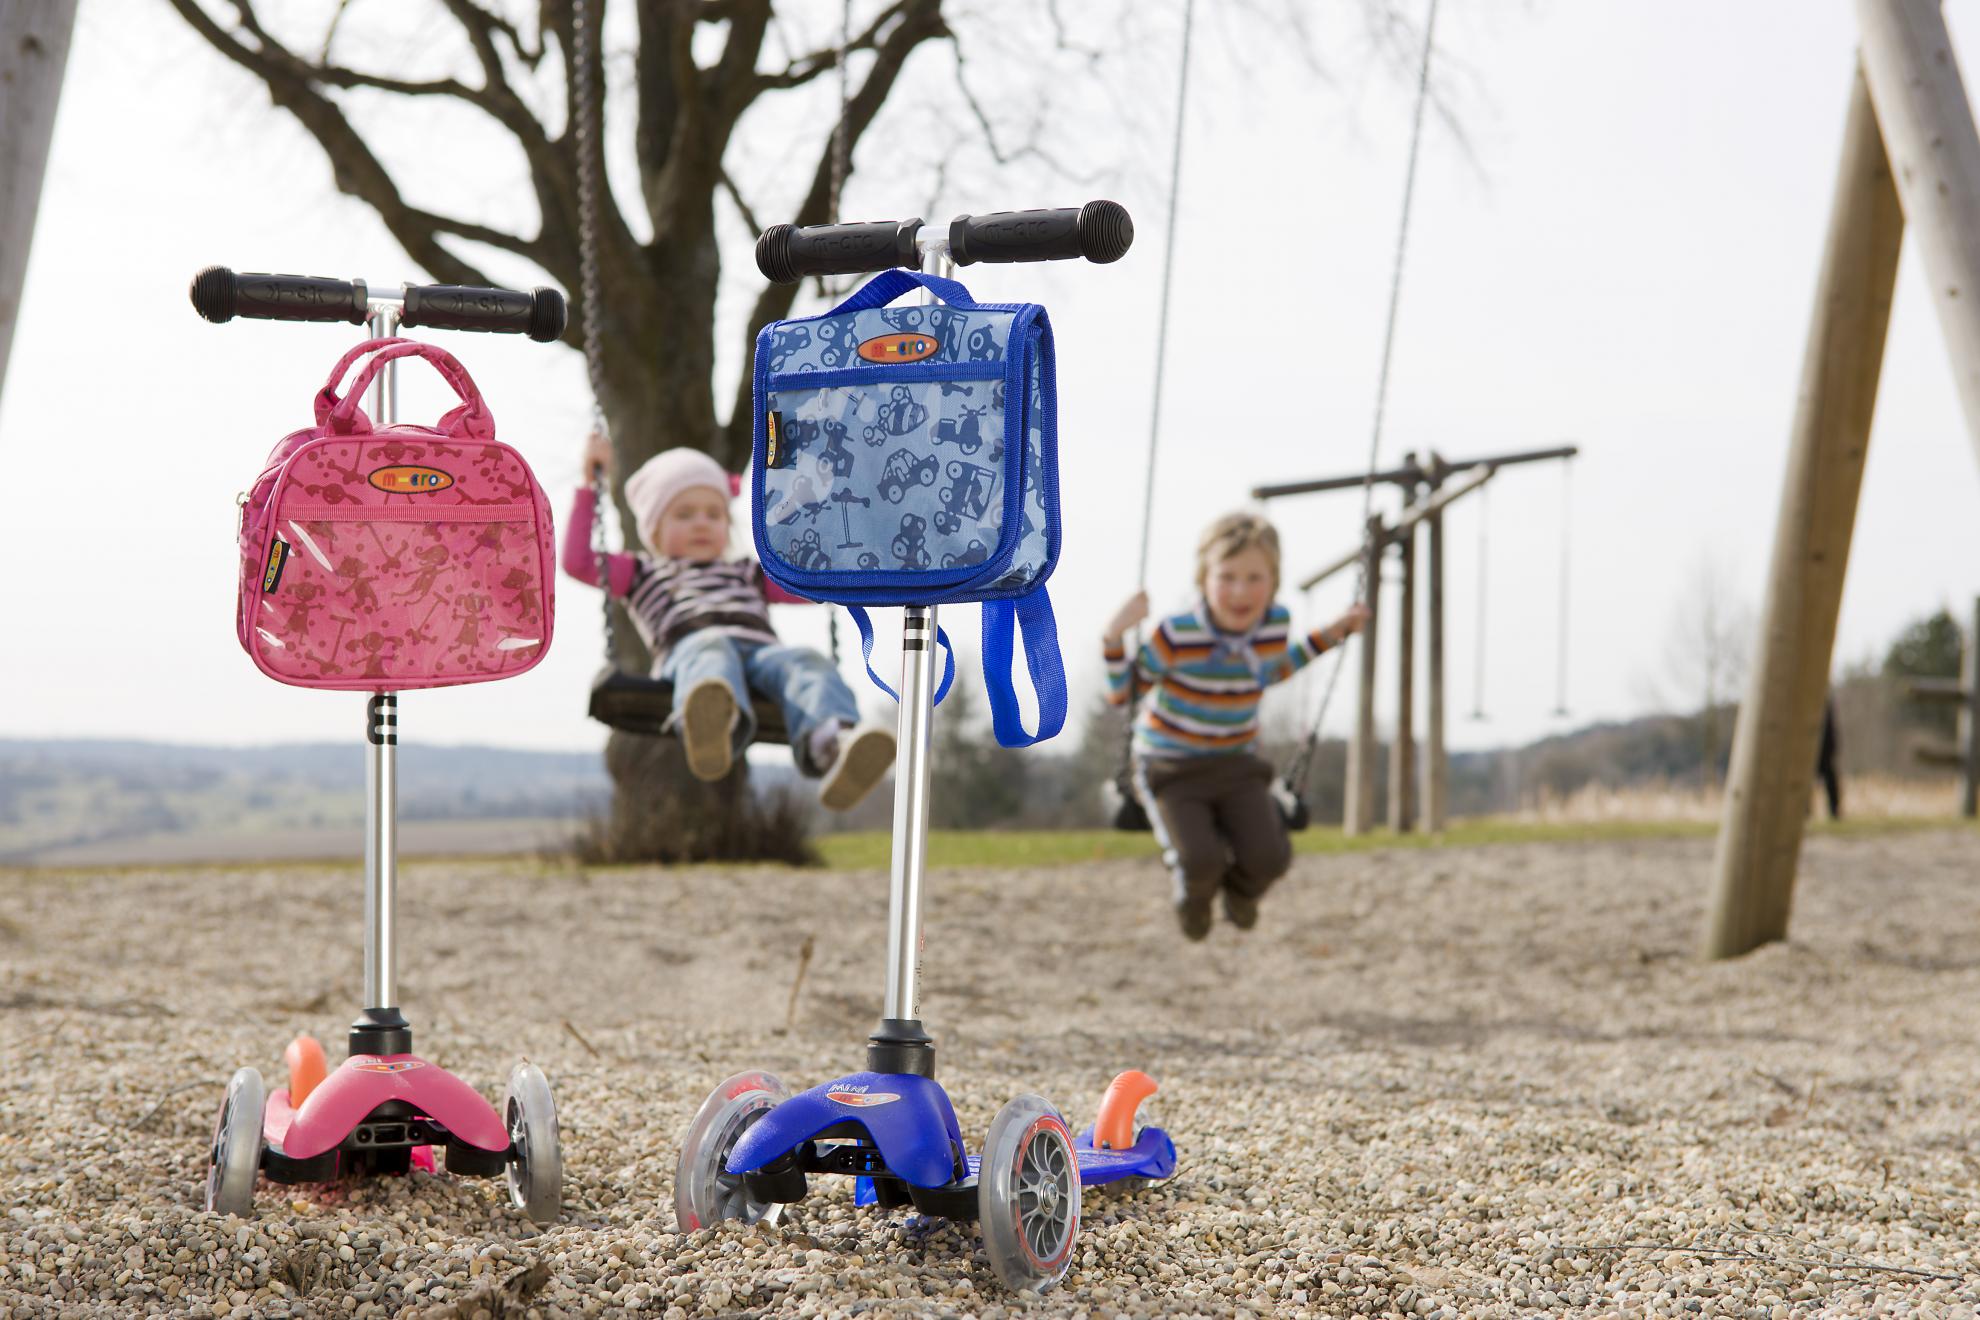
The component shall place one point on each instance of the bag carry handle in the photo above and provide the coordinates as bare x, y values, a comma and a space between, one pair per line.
889, 285
864, 623
327, 397
470, 420
1031, 615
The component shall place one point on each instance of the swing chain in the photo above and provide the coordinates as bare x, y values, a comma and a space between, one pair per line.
590, 155
602, 492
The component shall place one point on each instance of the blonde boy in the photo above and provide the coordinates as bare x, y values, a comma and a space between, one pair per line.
1208, 794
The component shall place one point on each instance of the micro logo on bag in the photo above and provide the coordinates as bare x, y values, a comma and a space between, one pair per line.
773, 450
403, 480
898, 348
271, 576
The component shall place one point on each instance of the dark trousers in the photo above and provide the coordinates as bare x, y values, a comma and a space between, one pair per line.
1217, 823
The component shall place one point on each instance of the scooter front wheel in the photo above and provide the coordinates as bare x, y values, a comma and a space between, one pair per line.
536, 1161
1027, 1195
704, 1189
234, 1162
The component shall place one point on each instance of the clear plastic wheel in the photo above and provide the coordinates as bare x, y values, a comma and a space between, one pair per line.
234, 1162
704, 1189
1027, 1195
536, 1161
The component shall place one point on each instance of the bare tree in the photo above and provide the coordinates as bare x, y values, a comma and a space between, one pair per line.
1706, 650
701, 73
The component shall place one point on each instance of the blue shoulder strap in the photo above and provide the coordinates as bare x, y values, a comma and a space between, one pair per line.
891, 284
864, 623
1031, 615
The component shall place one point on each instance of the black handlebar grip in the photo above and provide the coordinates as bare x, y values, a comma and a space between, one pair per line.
539, 314
1099, 231
786, 253
219, 295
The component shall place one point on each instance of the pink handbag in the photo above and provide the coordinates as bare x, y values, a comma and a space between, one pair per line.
407, 557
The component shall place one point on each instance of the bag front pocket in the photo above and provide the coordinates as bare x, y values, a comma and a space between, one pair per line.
887, 470
371, 595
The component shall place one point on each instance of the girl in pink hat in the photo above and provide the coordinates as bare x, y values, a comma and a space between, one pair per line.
705, 617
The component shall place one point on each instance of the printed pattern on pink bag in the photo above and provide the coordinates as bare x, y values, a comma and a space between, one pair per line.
400, 558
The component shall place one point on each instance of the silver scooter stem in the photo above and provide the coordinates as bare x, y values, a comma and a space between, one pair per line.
381, 772
911, 768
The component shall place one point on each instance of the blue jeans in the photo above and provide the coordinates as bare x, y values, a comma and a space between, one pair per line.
804, 683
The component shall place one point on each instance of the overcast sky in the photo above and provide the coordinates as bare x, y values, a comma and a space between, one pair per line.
1624, 260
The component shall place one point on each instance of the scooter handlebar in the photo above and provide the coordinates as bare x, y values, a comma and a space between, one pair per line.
1100, 232
539, 313
786, 253
220, 294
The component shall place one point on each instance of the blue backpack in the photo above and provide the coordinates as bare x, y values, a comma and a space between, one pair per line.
909, 456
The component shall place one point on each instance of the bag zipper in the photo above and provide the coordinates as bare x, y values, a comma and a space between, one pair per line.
402, 513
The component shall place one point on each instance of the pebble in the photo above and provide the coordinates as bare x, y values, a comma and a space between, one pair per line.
1389, 1101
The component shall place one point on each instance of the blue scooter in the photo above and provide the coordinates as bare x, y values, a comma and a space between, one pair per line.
753, 1146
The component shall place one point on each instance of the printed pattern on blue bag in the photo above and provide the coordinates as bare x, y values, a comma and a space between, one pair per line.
1034, 549
911, 466
955, 500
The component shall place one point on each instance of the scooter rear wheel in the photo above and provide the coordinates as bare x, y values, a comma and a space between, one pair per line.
704, 1189
234, 1161
536, 1162
1027, 1195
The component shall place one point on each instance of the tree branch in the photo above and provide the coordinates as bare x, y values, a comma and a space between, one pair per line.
1028, 148
735, 195
357, 171
805, 68
919, 21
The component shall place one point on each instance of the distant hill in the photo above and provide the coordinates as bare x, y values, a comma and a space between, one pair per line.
71, 798
105, 802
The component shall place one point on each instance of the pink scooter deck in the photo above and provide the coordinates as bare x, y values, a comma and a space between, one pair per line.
363, 1082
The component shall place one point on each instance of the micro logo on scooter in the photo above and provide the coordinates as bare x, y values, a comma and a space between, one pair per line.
860, 1098
406, 480
898, 348
393, 1066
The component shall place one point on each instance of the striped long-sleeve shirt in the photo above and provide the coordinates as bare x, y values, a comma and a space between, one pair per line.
670, 598
1207, 684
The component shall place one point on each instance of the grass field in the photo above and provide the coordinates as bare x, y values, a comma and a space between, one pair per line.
1057, 847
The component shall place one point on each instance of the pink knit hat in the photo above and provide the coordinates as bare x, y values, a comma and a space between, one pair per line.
659, 479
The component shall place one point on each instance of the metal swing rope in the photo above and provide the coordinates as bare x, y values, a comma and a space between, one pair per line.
1123, 779
1302, 763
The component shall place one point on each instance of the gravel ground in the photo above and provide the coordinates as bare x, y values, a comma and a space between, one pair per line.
1463, 1082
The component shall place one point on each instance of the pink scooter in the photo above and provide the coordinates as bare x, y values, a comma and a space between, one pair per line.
384, 1109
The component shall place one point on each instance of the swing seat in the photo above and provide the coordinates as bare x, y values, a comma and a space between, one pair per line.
632, 703
1130, 817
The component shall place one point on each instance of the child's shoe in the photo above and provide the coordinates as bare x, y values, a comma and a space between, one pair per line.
1194, 918
708, 722
1242, 910
860, 761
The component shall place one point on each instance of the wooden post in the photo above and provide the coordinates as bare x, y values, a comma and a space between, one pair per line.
1436, 762
34, 50
1780, 721
1928, 132
1402, 750
1969, 719
1358, 811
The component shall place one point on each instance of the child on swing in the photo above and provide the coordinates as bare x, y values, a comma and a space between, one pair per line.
705, 617
1208, 795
